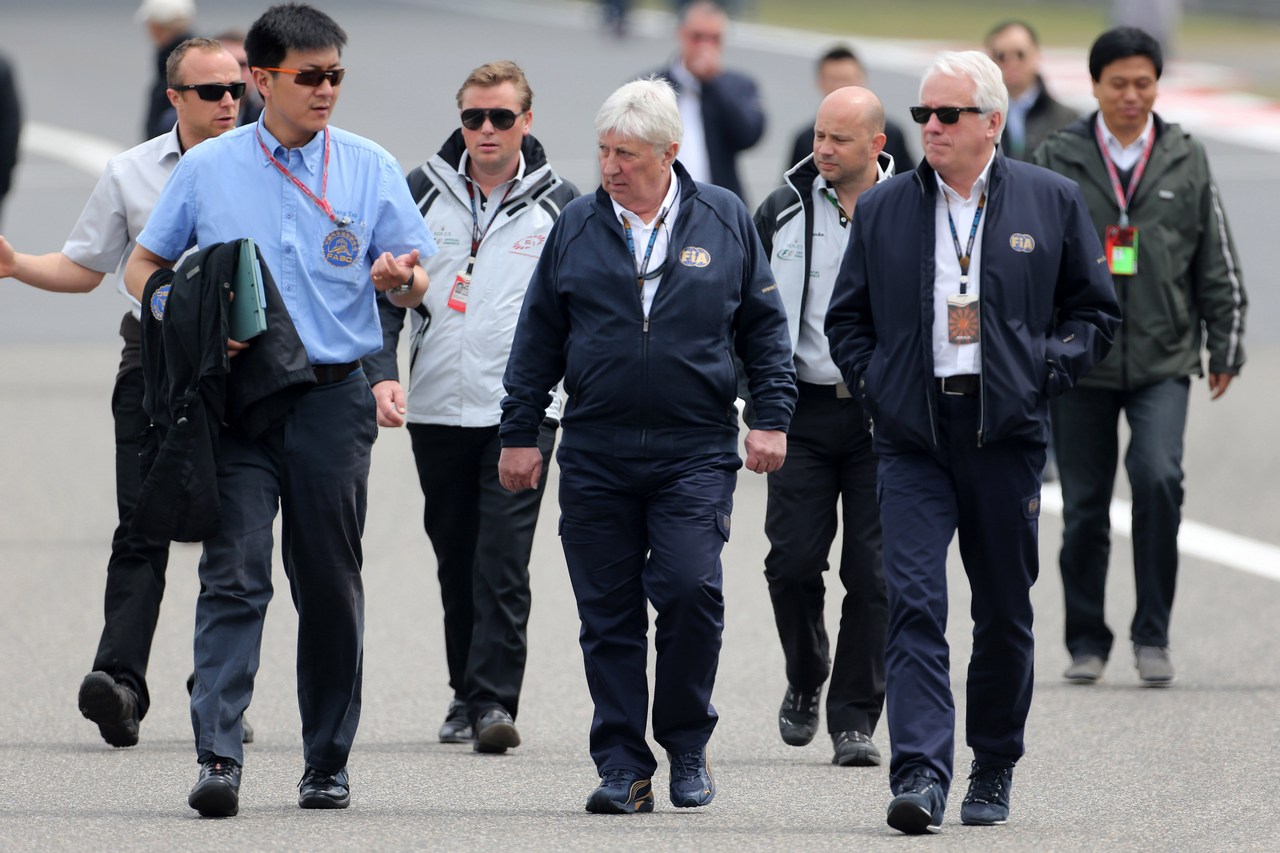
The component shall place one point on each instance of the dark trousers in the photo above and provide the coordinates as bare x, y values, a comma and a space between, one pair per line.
314, 468
829, 461
638, 532
1085, 424
482, 536
135, 570
991, 495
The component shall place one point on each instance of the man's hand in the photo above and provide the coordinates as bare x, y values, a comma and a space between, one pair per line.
705, 62
1218, 383
766, 450
234, 348
519, 468
390, 272
389, 395
8, 261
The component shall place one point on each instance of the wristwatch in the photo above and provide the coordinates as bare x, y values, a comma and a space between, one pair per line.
402, 289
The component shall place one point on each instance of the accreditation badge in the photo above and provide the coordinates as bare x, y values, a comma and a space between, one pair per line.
341, 247
458, 296
962, 318
1122, 249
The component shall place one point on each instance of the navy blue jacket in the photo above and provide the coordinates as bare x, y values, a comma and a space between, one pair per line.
661, 386
1047, 302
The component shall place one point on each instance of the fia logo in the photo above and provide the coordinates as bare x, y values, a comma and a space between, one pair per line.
1024, 243
695, 256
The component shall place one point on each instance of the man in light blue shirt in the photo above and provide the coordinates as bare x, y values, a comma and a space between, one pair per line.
332, 215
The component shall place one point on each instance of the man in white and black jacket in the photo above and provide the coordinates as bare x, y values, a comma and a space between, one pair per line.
490, 198
804, 226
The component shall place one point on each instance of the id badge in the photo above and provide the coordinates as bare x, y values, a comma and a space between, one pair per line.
1122, 249
962, 318
458, 296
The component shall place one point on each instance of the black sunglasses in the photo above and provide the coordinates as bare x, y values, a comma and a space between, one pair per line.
213, 91
1002, 55
313, 76
946, 115
501, 117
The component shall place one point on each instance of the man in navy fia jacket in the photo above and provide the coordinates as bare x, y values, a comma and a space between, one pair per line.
642, 293
973, 290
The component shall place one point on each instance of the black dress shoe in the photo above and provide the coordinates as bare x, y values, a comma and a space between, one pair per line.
457, 725
854, 749
496, 732
320, 790
798, 716
112, 706
217, 791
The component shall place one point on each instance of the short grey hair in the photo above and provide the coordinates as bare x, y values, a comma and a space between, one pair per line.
989, 92
646, 110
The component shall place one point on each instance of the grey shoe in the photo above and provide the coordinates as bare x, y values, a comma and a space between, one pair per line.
854, 749
1084, 669
1154, 667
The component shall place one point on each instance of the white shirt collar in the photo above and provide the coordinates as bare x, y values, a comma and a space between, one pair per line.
1027, 99
979, 186
684, 78
1114, 144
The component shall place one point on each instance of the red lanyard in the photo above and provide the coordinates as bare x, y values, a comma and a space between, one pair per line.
1123, 198
321, 202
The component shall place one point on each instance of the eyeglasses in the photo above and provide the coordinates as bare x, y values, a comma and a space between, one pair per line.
1002, 55
946, 115
502, 118
313, 76
213, 91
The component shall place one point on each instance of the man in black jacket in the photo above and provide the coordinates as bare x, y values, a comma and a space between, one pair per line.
972, 291
1033, 112
720, 108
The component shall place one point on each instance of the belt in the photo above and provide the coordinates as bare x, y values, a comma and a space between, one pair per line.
808, 389
964, 385
327, 374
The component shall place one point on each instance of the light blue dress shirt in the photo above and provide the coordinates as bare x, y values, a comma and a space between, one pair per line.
226, 189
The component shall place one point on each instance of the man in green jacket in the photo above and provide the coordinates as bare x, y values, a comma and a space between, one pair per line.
1158, 213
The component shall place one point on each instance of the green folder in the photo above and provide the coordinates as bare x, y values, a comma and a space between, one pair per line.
249, 307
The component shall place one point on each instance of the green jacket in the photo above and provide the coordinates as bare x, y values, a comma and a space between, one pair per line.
1188, 292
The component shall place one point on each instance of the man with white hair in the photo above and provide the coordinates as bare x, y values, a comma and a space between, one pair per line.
643, 291
1012, 304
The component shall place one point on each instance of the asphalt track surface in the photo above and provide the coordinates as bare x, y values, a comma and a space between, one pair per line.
1115, 767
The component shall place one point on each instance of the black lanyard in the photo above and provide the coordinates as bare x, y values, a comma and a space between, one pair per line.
955, 240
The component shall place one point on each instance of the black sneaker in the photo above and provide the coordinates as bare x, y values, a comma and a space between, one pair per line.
621, 792
217, 791
854, 749
457, 726
691, 782
987, 803
798, 716
917, 809
495, 732
320, 790
111, 705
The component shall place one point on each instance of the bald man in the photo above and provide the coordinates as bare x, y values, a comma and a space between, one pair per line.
804, 227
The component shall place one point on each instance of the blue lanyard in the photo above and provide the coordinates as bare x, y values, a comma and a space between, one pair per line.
973, 232
642, 269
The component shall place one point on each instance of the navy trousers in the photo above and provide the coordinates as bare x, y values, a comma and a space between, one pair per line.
314, 468
637, 532
991, 496
829, 462
1085, 424
136, 568
482, 536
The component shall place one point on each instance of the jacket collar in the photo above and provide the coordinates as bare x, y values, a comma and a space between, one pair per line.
927, 179
801, 176
688, 191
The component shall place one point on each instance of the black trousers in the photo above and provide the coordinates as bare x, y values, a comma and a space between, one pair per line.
482, 536
135, 570
990, 497
829, 462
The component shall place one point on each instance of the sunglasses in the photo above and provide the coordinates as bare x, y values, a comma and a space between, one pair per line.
213, 91
1002, 55
313, 76
502, 118
946, 115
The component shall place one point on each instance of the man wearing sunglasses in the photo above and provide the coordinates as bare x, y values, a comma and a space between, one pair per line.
1156, 207
490, 198
1033, 113
114, 695
972, 291
334, 222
